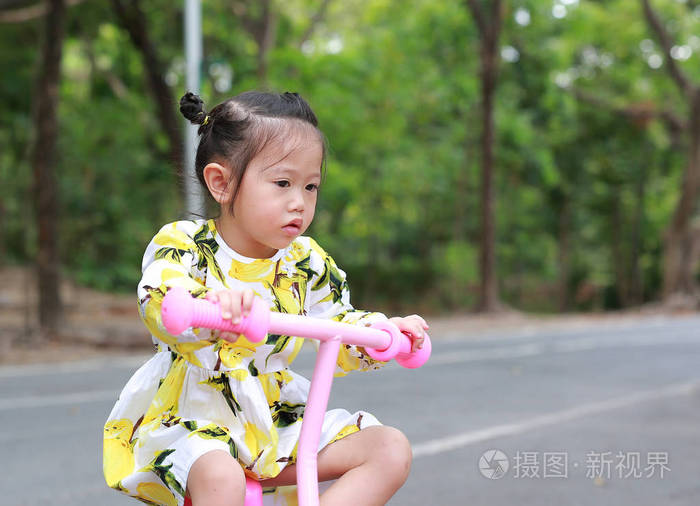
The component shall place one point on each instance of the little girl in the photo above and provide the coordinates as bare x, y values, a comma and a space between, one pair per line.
211, 407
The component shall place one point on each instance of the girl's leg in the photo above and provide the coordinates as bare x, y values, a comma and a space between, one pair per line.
369, 465
216, 479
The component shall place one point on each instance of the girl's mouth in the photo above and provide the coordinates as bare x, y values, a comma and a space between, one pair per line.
293, 227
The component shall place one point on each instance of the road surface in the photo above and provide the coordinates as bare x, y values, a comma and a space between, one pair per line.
605, 414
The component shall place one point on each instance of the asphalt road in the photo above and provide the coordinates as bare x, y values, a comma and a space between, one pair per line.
601, 415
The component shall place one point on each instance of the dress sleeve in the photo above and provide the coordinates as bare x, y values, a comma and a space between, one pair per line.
171, 259
328, 296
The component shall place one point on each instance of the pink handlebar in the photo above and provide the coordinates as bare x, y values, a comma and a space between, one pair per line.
383, 341
181, 311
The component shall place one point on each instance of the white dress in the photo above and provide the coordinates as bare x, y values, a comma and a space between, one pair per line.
200, 393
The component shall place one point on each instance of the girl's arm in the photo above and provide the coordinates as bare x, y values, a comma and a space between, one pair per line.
328, 296
172, 258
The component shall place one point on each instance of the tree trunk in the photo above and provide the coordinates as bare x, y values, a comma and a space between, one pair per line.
679, 268
487, 258
266, 40
636, 277
564, 254
489, 29
620, 259
372, 271
3, 219
43, 159
259, 19
134, 22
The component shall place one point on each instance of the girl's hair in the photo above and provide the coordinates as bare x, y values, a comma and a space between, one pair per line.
238, 129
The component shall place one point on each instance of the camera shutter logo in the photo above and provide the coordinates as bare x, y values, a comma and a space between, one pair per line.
493, 464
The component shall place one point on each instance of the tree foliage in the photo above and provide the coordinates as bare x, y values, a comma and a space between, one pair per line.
588, 168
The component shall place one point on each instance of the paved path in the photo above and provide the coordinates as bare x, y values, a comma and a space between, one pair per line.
590, 407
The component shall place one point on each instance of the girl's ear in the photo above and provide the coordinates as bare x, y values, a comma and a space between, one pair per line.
217, 178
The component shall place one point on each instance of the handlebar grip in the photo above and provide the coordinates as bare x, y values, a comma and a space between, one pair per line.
181, 311
400, 348
413, 360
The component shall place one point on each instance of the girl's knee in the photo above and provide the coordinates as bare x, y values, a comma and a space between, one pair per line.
393, 450
216, 478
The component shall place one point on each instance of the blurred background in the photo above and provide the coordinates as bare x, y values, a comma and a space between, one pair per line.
541, 156
535, 157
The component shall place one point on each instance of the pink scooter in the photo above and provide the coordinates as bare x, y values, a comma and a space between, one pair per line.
383, 341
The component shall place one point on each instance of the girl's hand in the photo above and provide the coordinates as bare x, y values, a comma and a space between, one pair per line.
234, 305
414, 327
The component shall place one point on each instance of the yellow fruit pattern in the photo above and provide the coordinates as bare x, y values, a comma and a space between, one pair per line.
232, 354
213, 431
155, 493
166, 400
346, 431
200, 392
271, 384
117, 444
258, 270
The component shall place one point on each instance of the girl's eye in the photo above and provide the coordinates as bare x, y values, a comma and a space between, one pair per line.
282, 183
312, 187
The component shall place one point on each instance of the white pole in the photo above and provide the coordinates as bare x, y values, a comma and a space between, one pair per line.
194, 195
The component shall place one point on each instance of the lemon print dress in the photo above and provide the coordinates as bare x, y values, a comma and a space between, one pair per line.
200, 393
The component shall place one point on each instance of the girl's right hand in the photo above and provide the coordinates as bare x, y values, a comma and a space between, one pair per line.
234, 304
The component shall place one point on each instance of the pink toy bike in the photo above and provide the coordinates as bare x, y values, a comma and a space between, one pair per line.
383, 341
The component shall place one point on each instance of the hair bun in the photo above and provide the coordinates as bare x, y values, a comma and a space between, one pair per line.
192, 108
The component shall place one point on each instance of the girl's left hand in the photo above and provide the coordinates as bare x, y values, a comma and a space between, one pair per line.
414, 327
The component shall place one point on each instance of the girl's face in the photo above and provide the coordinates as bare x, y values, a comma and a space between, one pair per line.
277, 198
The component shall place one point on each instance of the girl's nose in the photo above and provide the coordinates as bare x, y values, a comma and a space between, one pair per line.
297, 201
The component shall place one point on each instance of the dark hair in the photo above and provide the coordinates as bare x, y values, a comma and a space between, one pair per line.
236, 130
